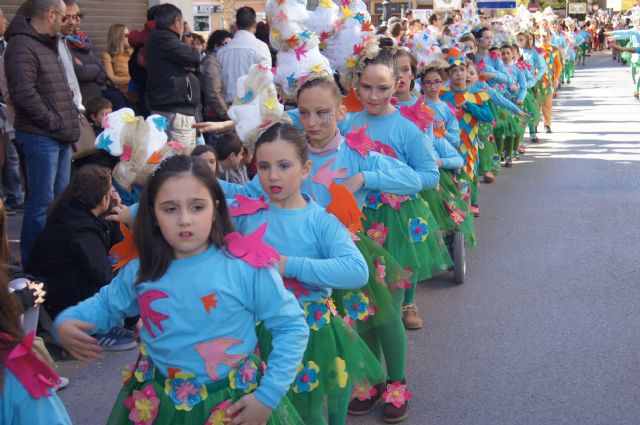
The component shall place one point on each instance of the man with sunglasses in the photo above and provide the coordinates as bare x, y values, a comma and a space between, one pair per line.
46, 119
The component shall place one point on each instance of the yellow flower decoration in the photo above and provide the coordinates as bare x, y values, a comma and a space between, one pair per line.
128, 117
307, 379
346, 12
127, 373
341, 372
325, 3
275, 34
185, 391
351, 63
318, 69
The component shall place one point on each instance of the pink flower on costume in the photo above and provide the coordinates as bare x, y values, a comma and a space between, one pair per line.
364, 391
378, 232
143, 405
457, 216
397, 394
405, 281
219, 414
380, 270
394, 201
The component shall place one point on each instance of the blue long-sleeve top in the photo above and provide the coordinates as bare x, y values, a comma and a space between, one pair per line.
443, 150
180, 324
497, 98
537, 62
403, 137
380, 172
528, 76
321, 254
557, 40
630, 34
497, 67
443, 113
521, 80
17, 407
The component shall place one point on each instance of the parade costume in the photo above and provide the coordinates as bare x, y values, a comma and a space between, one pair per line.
633, 37
549, 80
320, 256
536, 96
477, 109
28, 393
198, 336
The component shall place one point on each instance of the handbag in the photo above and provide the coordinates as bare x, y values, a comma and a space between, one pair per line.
86, 144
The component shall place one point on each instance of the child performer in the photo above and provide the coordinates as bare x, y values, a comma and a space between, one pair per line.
316, 255
473, 103
381, 127
550, 78
27, 390
199, 289
538, 68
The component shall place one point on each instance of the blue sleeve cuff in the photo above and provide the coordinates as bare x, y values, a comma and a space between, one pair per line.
371, 180
269, 395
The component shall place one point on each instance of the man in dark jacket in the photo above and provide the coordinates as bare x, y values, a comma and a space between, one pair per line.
173, 90
46, 120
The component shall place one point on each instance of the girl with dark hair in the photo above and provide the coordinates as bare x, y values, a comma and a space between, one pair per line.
27, 383
199, 289
322, 258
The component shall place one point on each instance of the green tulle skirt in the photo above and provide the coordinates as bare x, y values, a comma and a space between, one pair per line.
455, 199
409, 232
336, 359
532, 108
150, 398
372, 305
488, 158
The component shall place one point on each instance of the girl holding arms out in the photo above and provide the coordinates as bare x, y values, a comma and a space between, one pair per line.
199, 305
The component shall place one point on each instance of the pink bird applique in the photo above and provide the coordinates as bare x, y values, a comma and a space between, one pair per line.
418, 113
214, 354
295, 286
34, 374
147, 314
358, 140
251, 248
325, 176
247, 206
301, 52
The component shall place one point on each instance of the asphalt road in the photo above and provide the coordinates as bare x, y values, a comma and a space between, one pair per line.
546, 328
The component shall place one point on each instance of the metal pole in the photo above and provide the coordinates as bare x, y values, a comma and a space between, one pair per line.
386, 11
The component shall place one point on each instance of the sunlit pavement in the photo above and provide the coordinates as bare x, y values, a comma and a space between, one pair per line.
546, 328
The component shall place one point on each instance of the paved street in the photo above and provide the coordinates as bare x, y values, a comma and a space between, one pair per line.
546, 328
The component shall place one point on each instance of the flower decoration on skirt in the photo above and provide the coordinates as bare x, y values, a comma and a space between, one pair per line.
318, 315
143, 405
307, 379
418, 230
185, 391
244, 377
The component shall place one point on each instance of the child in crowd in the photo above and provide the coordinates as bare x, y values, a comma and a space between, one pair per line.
207, 153
97, 108
71, 255
199, 289
229, 154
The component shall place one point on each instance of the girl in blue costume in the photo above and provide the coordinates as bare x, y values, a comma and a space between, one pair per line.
474, 104
27, 393
316, 256
452, 208
516, 124
633, 35
337, 160
538, 68
199, 289
401, 220
439, 253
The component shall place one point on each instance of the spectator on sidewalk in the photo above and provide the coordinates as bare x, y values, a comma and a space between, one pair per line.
116, 58
242, 52
214, 108
11, 179
262, 33
88, 68
46, 120
174, 90
138, 64
71, 254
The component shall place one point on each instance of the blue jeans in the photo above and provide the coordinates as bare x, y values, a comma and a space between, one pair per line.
48, 165
11, 179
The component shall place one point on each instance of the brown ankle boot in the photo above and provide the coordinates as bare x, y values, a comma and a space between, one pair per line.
410, 317
396, 406
366, 399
